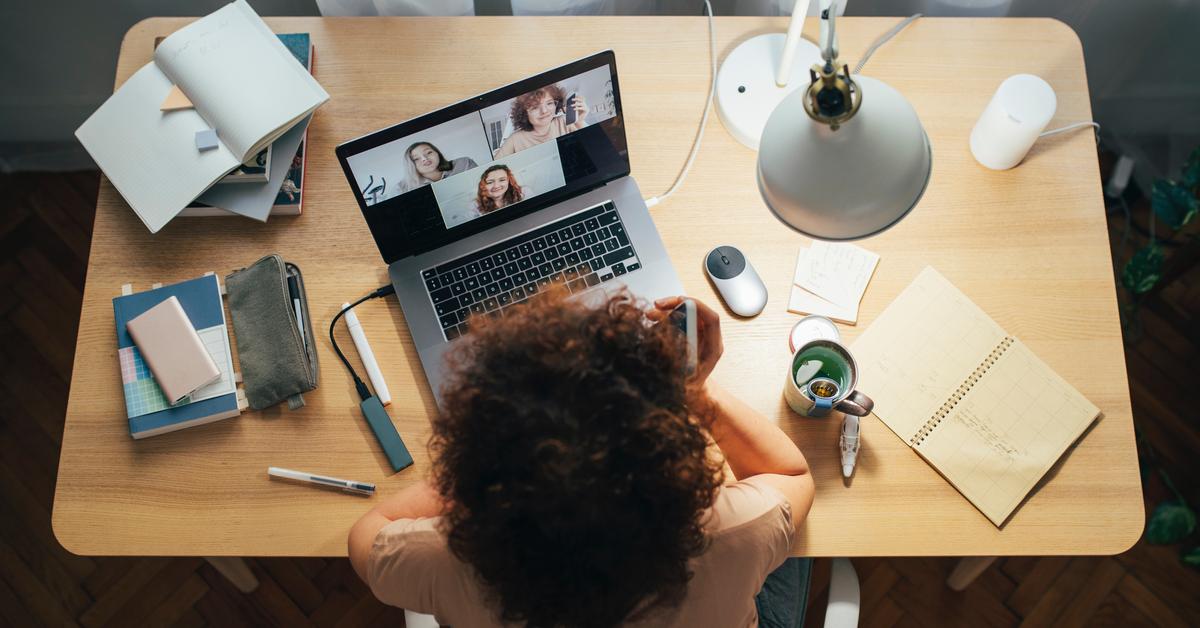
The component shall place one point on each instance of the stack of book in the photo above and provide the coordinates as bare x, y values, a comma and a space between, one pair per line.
148, 409
279, 190
235, 77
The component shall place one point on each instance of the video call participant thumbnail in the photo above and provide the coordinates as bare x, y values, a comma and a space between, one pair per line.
498, 188
535, 117
425, 164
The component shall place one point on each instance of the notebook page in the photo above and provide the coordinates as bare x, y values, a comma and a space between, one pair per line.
150, 155
241, 78
920, 350
1007, 432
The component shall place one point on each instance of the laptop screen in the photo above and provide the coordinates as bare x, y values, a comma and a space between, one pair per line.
489, 159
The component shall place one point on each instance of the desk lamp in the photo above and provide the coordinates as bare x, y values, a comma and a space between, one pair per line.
845, 158
758, 74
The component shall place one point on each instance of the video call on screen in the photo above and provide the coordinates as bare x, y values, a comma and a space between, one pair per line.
483, 167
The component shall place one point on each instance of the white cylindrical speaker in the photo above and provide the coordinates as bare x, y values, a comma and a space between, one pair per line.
1012, 121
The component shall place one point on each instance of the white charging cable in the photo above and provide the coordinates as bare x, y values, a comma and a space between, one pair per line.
712, 33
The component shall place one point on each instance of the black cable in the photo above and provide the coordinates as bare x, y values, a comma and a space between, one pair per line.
363, 391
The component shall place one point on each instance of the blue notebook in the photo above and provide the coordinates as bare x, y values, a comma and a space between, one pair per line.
148, 411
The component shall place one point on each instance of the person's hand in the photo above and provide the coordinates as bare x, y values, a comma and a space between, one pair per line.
581, 111
708, 333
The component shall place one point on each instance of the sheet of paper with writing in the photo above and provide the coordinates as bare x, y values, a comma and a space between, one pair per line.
802, 301
838, 273
972, 400
1007, 431
920, 350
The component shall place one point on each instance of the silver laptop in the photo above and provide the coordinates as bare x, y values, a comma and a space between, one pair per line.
481, 205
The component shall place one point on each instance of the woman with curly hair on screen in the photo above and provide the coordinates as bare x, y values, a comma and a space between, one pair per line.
572, 484
535, 119
498, 188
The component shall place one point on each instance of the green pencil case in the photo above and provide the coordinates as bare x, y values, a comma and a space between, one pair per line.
277, 353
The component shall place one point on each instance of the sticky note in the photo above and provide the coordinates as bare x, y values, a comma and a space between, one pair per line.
802, 301
176, 101
838, 273
206, 139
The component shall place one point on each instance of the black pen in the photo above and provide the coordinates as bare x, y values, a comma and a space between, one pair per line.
294, 292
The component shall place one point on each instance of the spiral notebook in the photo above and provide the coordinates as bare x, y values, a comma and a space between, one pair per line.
967, 396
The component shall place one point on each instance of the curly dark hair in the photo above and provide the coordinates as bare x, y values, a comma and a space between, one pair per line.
520, 107
574, 459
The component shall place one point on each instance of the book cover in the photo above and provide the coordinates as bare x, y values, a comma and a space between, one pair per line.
146, 406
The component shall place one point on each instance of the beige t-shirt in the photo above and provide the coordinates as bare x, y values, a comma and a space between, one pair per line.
751, 530
521, 140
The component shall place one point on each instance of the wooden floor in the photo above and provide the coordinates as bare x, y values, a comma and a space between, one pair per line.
45, 233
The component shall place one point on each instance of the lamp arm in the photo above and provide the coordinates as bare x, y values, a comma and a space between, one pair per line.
789, 45
828, 8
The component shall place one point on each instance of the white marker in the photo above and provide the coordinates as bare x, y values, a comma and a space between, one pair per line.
349, 486
368, 358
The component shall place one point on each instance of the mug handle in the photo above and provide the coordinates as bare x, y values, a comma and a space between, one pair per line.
857, 404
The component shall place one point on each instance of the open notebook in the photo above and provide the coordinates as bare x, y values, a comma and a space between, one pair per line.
970, 398
244, 83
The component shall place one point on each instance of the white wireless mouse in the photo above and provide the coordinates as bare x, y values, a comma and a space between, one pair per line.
736, 280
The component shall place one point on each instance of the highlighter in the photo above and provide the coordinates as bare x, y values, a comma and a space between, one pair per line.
368, 358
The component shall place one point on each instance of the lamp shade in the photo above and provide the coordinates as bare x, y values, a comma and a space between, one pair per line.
850, 183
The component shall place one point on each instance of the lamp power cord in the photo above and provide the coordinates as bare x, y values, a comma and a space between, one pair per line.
361, 387
881, 41
712, 35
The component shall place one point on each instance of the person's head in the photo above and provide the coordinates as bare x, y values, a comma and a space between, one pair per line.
537, 108
498, 188
423, 161
573, 455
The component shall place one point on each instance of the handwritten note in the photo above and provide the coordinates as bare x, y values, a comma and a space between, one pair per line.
838, 273
804, 302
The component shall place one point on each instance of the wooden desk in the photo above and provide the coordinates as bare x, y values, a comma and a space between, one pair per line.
1028, 245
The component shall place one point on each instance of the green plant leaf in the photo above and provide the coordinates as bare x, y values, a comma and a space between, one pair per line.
1142, 272
1173, 203
1191, 169
1191, 557
1170, 522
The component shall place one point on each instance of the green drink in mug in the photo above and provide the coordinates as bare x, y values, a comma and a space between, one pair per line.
822, 376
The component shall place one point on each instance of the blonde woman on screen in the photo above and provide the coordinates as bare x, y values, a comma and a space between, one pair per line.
425, 164
536, 120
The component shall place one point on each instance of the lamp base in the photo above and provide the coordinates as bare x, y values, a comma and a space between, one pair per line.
746, 92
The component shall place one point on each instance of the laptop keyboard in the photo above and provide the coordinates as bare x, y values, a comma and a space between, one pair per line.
579, 251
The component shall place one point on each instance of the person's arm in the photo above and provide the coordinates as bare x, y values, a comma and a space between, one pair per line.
419, 500
753, 446
756, 448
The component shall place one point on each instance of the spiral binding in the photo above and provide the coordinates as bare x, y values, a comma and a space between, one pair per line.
957, 396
